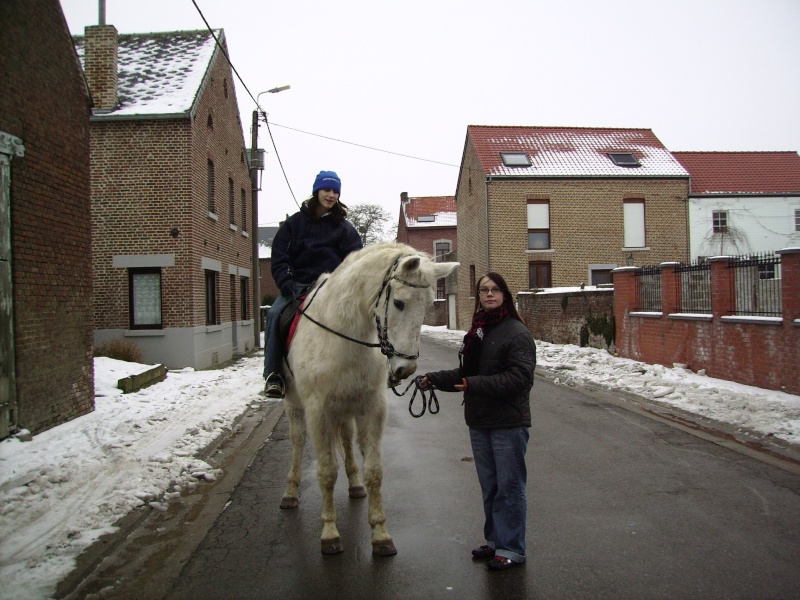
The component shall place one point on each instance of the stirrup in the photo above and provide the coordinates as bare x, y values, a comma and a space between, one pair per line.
274, 387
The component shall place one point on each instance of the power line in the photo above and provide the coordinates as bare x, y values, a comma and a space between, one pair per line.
367, 147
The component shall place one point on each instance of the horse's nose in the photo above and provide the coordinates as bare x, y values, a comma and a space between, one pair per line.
403, 369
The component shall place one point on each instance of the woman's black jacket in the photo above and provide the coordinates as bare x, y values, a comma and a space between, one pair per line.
497, 397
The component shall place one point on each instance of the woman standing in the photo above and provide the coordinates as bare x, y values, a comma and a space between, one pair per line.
495, 372
314, 240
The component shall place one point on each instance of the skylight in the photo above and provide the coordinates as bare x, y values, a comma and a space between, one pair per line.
624, 159
515, 159
426, 218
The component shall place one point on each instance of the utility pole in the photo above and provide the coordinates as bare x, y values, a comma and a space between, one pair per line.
254, 233
256, 165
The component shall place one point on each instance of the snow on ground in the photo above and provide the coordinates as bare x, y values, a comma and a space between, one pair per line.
70, 484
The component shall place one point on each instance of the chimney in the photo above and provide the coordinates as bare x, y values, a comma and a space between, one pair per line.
100, 65
403, 198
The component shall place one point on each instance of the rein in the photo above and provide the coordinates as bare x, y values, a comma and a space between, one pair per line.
387, 349
431, 402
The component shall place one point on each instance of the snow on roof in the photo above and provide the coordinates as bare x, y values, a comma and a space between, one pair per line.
430, 211
572, 151
159, 73
742, 172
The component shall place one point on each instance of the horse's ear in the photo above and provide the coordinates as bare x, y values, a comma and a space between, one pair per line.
444, 269
410, 263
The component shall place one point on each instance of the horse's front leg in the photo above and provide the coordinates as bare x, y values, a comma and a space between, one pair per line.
370, 433
297, 434
324, 437
355, 487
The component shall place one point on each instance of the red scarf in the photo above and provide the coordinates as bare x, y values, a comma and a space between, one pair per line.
482, 321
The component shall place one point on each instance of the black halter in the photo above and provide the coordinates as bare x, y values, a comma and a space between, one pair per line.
386, 346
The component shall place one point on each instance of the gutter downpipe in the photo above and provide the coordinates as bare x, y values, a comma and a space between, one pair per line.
486, 197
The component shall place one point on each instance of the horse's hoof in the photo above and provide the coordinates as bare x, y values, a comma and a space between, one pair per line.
290, 502
357, 491
384, 548
332, 546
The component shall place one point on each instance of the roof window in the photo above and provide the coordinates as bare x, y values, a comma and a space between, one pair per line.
426, 218
624, 159
515, 159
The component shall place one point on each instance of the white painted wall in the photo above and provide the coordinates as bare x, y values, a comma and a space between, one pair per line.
761, 224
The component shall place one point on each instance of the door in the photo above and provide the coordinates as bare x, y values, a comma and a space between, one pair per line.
8, 392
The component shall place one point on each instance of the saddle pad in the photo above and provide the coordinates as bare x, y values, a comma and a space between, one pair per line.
293, 326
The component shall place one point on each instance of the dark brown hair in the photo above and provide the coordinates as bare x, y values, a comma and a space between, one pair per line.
338, 212
508, 299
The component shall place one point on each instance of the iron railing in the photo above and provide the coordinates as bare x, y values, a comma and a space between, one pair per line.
694, 286
756, 285
648, 288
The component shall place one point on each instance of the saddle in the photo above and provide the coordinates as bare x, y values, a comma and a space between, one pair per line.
287, 322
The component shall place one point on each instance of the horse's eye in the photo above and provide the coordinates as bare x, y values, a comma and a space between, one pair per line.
399, 304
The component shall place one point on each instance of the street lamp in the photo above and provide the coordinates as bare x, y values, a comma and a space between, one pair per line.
256, 165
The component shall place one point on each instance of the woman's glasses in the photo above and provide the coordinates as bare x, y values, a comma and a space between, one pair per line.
484, 291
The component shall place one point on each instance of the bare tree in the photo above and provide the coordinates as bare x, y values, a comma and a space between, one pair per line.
370, 220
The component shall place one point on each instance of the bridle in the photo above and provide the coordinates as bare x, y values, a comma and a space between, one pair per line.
386, 346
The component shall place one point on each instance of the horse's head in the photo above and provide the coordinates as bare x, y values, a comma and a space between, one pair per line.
406, 295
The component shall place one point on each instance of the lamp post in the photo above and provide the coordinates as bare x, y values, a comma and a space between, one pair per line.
256, 165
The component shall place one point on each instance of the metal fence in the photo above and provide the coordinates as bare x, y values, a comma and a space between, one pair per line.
694, 284
757, 285
648, 288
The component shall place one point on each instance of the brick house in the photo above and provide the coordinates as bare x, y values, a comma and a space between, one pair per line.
560, 206
46, 313
265, 280
429, 224
171, 191
742, 202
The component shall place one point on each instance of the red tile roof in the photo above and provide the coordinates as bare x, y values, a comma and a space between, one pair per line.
572, 151
742, 172
442, 207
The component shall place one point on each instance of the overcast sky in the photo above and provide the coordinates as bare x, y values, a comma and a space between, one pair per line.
407, 78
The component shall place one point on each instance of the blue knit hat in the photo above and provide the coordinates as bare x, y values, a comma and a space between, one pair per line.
327, 180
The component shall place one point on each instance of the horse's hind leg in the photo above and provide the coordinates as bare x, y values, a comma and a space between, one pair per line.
370, 432
355, 487
297, 434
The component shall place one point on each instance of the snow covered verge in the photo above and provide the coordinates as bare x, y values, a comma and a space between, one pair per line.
71, 484
754, 410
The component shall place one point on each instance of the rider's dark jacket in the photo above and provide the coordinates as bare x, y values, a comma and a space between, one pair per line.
497, 395
305, 247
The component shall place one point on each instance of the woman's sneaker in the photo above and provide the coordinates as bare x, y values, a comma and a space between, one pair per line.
274, 387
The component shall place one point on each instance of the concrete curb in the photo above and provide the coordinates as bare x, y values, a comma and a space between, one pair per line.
133, 383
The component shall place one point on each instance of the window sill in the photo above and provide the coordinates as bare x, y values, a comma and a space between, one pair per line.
145, 333
540, 251
636, 249
213, 328
245, 234
691, 316
233, 227
752, 319
213, 216
647, 314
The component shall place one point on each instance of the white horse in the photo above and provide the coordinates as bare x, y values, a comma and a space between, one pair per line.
372, 304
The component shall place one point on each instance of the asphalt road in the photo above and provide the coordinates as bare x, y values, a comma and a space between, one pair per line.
620, 506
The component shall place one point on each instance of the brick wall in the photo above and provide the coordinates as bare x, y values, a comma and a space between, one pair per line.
755, 351
45, 104
580, 317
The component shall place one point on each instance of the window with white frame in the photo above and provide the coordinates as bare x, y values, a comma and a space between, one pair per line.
231, 202
144, 298
634, 223
538, 224
797, 219
210, 186
719, 221
441, 249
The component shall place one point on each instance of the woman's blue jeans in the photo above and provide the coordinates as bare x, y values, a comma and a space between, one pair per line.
273, 353
500, 461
